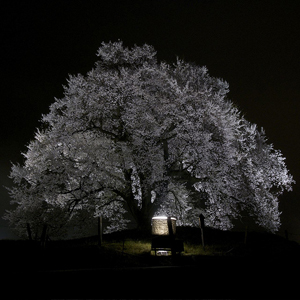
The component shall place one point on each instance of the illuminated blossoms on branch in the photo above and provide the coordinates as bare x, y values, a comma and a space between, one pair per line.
149, 138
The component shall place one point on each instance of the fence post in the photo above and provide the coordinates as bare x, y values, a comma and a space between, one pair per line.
29, 231
246, 234
44, 236
201, 222
171, 235
100, 230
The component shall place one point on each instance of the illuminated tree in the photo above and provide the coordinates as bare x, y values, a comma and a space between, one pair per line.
146, 137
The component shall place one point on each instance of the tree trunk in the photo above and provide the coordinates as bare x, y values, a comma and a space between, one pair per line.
143, 219
142, 215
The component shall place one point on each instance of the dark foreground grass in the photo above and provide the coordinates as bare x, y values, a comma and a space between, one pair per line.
123, 267
131, 248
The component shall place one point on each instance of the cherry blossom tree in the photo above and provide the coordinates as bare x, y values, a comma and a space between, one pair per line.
135, 135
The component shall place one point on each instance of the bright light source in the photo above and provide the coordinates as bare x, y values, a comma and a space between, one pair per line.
162, 218
160, 225
162, 253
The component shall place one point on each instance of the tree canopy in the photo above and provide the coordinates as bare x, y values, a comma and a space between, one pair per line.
146, 137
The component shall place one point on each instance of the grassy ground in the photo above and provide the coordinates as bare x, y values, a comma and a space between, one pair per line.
129, 246
144, 247
133, 244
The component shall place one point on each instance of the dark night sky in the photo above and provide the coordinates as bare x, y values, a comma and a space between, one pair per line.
253, 45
